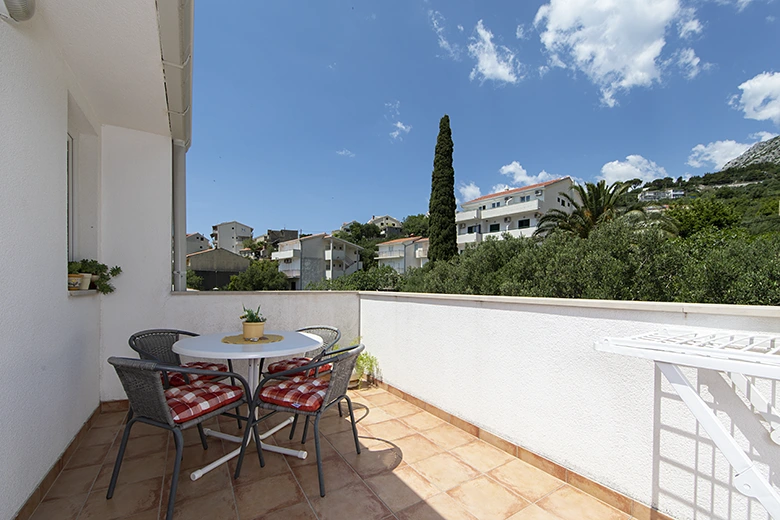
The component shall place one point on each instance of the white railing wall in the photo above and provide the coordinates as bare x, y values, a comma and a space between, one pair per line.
525, 369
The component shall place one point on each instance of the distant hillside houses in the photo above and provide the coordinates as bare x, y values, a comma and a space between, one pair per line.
316, 258
387, 225
230, 235
403, 254
197, 242
652, 195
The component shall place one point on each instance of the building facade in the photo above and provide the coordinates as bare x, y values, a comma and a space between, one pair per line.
654, 195
216, 266
197, 242
403, 254
387, 225
516, 211
316, 258
230, 235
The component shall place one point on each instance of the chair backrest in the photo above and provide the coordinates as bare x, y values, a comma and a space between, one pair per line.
330, 336
157, 344
343, 364
143, 386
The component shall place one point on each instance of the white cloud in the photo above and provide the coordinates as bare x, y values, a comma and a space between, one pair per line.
469, 191
770, 19
400, 129
690, 64
634, 167
689, 25
520, 32
760, 99
345, 153
437, 21
499, 188
494, 62
616, 44
460, 28
763, 136
393, 108
716, 154
519, 175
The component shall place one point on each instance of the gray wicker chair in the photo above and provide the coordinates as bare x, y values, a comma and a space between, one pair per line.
157, 345
343, 362
148, 404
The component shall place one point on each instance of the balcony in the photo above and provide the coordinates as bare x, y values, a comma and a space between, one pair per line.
469, 238
287, 254
525, 232
511, 209
335, 254
463, 216
421, 253
390, 254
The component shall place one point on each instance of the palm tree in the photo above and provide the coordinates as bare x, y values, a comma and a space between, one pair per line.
593, 205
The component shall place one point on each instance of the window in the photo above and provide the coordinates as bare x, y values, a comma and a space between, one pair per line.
484, 207
495, 227
524, 223
473, 229
525, 198
495, 204
563, 203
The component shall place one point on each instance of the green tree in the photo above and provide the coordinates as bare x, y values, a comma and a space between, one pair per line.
416, 225
262, 275
194, 281
443, 235
383, 278
701, 214
255, 246
594, 204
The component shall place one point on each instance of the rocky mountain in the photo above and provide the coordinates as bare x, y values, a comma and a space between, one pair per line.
766, 151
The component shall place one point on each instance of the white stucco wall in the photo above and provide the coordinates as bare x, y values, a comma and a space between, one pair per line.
48, 340
526, 370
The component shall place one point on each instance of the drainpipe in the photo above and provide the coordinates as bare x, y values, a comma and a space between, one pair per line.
179, 216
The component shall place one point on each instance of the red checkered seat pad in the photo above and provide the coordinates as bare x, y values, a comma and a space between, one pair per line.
177, 378
296, 362
201, 397
301, 393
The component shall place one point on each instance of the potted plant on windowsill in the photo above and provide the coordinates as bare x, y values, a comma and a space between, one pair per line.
254, 324
101, 275
74, 278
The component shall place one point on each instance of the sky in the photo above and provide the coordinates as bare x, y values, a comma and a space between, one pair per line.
307, 115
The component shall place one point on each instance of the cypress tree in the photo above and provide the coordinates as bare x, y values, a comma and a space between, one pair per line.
441, 222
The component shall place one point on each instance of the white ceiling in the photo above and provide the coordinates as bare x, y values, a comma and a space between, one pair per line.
113, 49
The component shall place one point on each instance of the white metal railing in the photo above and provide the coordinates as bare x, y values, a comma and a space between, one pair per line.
289, 253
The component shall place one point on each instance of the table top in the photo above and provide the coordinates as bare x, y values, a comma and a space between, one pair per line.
211, 346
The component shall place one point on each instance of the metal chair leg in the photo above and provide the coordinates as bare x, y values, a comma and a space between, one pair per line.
341, 414
251, 426
233, 382
305, 430
178, 439
352, 419
119, 456
294, 424
319, 457
259, 445
202, 434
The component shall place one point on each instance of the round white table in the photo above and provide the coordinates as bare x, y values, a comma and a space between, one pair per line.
211, 346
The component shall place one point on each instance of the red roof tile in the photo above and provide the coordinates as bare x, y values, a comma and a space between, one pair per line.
516, 190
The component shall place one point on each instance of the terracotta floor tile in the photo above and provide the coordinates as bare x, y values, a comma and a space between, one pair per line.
300, 511
128, 500
370, 416
487, 500
415, 448
106, 420
422, 421
375, 460
401, 409
251, 470
71, 482
195, 456
66, 508
337, 474
389, 430
354, 501
147, 515
331, 424
526, 480
140, 429
327, 450
382, 399
267, 495
482, 456
187, 489
572, 504
96, 436
133, 470
344, 442
140, 446
439, 507
88, 456
218, 505
445, 471
401, 488
533, 512
448, 436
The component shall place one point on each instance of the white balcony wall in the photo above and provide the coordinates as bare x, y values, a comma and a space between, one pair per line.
525, 369
463, 216
469, 238
511, 209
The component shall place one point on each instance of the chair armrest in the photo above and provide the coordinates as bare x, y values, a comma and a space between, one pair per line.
203, 372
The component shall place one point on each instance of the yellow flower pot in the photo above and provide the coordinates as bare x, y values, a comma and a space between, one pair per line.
74, 282
254, 331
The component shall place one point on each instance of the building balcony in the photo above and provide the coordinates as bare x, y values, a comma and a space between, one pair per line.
335, 254
511, 209
421, 253
390, 254
463, 216
469, 238
525, 232
287, 254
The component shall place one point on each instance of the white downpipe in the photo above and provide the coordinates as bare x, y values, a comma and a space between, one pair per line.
179, 217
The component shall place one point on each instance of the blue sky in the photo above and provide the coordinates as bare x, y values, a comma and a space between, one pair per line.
307, 115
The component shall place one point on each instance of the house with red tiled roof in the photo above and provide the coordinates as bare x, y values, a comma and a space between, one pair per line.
515, 211
403, 254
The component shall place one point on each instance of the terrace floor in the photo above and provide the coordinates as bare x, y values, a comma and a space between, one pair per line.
413, 466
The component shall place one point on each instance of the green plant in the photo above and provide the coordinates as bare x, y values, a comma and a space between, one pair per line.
102, 271
252, 316
366, 364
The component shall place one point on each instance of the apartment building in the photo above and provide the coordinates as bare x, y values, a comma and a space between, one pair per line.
516, 211
403, 254
230, 236
316, 258
197, 242
654, 195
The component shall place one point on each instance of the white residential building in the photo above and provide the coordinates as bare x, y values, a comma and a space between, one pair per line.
653, 195
403, 254
231, 236
516, 211
316, 258
197, 242
388, 225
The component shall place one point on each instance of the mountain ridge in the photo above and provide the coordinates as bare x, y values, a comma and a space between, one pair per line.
763, 152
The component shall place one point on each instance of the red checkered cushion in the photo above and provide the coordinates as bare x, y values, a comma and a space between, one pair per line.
177, 378
300, 393
201, 397
296, 362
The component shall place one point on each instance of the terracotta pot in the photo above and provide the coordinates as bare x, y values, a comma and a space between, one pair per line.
74, 282
254, 331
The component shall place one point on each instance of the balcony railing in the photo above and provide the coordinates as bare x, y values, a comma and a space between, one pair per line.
463, 216
289, 253
469, 238
390, 254
511, 209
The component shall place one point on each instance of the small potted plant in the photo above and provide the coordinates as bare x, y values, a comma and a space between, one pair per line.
101, 275
254, 324
74, 278
366, 364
